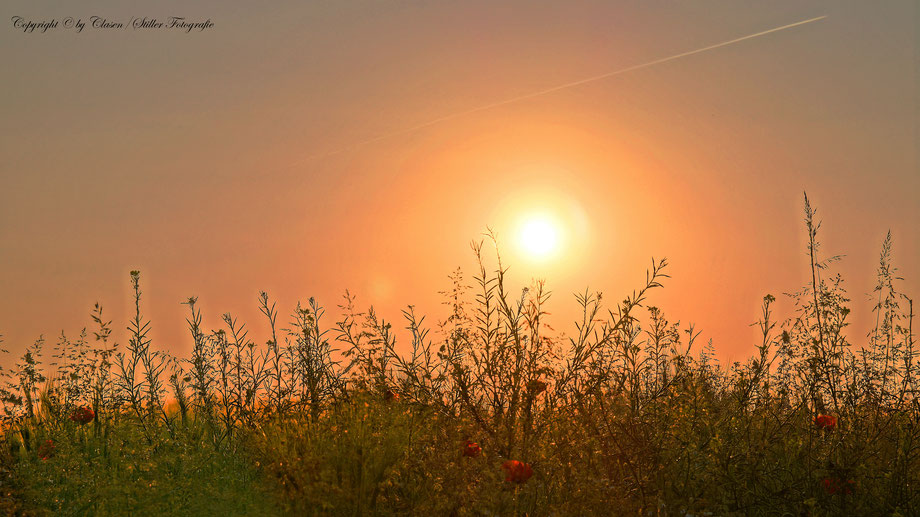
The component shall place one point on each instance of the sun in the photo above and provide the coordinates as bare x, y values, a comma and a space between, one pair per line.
539, 236
542, 229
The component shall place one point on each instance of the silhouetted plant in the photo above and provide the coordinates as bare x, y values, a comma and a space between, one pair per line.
625, 414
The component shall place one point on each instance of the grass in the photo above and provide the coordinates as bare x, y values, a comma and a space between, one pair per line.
626, 414
122, 474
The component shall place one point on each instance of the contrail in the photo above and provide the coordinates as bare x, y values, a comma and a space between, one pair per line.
563, 87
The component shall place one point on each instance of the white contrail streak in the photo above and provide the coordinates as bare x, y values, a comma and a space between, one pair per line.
563, 87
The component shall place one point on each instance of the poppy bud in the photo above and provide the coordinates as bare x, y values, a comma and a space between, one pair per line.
471, 449
46, 450
826, 422
83, 415
536, 386
837, 486
517, 471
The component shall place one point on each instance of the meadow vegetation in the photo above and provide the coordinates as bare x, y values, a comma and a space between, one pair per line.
489, 412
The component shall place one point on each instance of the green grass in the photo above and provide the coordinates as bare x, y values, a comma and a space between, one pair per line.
122, 474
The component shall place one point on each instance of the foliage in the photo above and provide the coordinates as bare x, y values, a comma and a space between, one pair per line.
495, 413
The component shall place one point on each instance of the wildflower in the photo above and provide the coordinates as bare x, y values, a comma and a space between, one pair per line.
471, 449
83, 415
837, 486
46, 450
390, 395
826, 422
536, 387
517, 471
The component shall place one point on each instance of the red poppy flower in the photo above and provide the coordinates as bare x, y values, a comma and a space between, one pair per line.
471, 449
517, 471
826, 422
83, 415
837, 486
46, 450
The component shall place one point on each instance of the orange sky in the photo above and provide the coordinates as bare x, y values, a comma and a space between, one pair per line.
224, 162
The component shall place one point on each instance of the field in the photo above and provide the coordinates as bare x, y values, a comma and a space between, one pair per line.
489, 412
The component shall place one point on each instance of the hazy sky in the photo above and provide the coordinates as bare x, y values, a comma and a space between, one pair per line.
222, 162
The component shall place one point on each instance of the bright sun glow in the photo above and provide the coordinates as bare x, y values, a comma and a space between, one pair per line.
542, 230
538, 236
